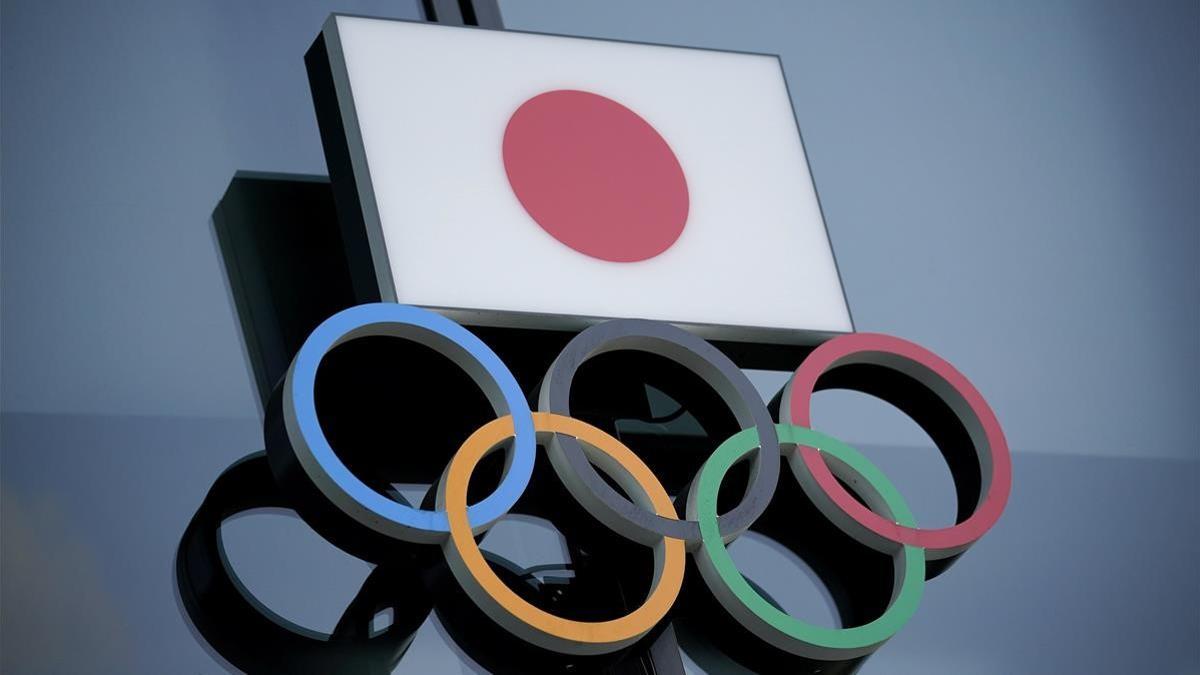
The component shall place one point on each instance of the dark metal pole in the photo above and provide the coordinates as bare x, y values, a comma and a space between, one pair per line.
482, 13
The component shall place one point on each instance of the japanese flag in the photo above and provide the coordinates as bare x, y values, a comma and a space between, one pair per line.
547, 181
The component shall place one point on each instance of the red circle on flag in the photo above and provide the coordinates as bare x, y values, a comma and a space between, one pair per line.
595, 175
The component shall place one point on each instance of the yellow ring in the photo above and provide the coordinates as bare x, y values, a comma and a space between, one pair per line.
506, 607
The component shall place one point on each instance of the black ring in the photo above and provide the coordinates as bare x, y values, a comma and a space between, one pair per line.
246, 634
706, 361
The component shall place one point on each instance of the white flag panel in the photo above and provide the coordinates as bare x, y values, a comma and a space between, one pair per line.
546, 181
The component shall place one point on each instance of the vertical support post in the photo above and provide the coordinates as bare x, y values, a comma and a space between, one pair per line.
482, 13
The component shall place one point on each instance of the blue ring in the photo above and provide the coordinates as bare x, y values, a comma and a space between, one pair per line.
303, 378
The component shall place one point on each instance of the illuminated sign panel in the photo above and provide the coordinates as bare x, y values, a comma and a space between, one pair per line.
529, 180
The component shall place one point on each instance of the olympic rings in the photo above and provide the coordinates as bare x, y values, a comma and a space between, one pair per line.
308, 446
946, 383
662, 339
773, 625
515, 614
936, 395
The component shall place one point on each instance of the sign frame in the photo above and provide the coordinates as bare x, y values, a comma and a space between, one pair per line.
362, 229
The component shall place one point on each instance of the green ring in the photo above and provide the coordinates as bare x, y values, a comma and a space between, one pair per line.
754, 611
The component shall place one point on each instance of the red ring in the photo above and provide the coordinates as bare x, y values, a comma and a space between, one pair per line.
869, 347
